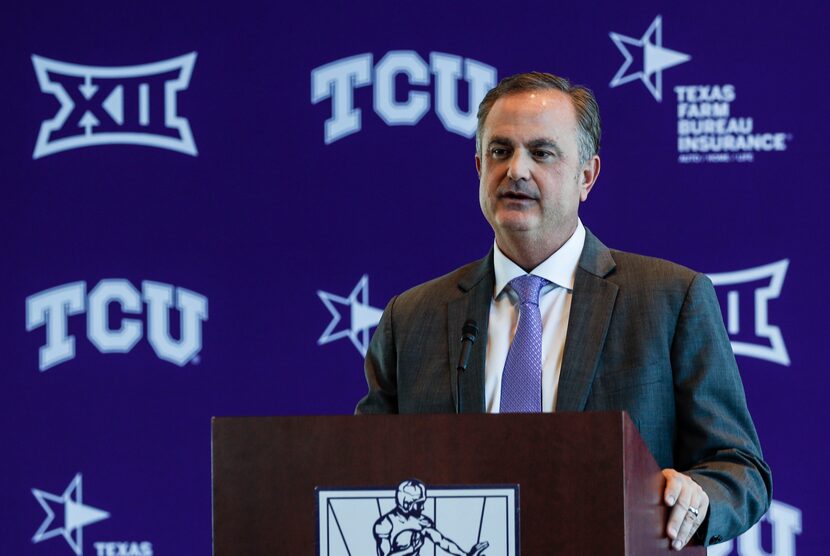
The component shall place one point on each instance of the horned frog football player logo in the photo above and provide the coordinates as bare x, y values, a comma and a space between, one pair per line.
404, 529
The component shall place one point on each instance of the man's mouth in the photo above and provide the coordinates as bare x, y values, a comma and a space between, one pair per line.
516, 196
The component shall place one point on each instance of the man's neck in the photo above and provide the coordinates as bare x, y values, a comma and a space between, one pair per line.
528, 252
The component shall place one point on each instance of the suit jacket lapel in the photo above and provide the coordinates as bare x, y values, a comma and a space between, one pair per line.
476, 292
591, 309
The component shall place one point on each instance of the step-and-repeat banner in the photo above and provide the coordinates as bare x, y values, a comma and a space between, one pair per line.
206, 205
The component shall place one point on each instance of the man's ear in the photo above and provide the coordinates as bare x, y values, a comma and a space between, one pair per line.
590, 173
478, 164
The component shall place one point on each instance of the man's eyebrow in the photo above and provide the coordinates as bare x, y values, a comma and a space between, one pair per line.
544, 142
497, 140
533, 144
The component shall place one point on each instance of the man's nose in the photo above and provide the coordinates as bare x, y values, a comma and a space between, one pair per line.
519, 167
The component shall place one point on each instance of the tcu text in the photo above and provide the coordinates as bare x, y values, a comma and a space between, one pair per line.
782, 524
52, 308
337, 80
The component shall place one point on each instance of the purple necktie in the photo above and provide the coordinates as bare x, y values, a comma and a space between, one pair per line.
521, 381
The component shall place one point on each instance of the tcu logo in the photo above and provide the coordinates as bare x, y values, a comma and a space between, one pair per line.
128, 105
744, 294
338, 80
52, 308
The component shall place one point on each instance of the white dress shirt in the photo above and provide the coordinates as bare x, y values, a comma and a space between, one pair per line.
555, 305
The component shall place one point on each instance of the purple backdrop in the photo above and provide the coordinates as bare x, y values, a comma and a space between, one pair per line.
173, 194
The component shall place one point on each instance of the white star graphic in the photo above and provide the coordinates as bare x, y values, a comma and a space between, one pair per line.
362, 316
655, 58
76, 515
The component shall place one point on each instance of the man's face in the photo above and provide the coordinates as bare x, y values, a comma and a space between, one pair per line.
531, 182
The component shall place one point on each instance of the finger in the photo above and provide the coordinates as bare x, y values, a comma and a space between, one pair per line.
701, 502
694, 519
674, 485
676, 517
681, 505
691, 521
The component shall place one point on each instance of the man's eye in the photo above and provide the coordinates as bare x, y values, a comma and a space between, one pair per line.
542, 154
498, 152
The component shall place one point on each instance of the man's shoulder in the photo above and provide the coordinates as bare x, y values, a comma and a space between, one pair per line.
643, 272
628, 262
449, 286
626, 267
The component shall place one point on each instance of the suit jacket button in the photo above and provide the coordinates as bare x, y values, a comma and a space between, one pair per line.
715, 539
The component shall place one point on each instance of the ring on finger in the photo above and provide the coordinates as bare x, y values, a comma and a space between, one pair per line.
694, 511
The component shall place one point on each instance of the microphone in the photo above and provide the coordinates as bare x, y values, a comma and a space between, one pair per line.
469, 333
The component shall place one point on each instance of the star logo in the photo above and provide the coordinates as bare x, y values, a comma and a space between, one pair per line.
654, 57
75, 515
362, 316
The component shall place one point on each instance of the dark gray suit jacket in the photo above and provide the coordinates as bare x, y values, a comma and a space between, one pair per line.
644, 335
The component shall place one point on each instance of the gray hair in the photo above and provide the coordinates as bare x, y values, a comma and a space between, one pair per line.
587, 110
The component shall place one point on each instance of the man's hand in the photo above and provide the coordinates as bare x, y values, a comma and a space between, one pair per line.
689, 506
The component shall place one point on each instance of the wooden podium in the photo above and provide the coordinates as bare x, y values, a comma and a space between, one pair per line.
586, 482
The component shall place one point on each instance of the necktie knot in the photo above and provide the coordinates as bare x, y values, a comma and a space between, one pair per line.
528, 287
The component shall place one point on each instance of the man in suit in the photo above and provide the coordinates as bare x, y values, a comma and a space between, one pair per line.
571, 325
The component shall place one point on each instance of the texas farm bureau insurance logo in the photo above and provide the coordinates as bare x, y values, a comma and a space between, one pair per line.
708, 129
413, 519
118, 105
66, 516
52, 308
337, 81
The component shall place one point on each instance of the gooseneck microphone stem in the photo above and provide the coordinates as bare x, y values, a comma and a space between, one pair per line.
469, 333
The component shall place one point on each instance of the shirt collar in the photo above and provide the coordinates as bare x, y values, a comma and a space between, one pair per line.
559, 268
